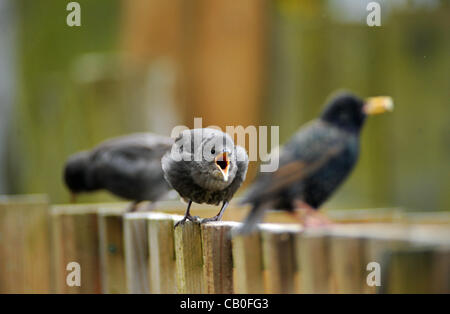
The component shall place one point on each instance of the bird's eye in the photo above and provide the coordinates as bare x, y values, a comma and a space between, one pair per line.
213, 151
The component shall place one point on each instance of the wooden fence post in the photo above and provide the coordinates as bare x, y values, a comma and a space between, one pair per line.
75, 238
379, 239
189, 258
24, 244
441, 270
112, 256
136, 252
347, 264
217, 257
279, 257
313, 261
349, 259
248, 263
162, 267
421, 269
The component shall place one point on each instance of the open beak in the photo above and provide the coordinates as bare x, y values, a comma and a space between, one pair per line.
377, 105
223, 163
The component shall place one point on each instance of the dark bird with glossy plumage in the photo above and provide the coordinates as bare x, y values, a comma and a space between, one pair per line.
205, 166
128, 167
315, 161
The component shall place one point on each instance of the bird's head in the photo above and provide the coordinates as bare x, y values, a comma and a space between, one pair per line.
75, 172
349, 112
215, 160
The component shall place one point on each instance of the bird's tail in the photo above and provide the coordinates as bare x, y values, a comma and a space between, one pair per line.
250, 222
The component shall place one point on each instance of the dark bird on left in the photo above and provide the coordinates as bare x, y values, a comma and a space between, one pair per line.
127, 166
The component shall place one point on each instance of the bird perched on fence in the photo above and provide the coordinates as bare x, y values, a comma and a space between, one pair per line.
314, 162
128, 166
204, 166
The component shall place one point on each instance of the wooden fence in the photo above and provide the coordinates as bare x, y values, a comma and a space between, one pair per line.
25, 261
121, 252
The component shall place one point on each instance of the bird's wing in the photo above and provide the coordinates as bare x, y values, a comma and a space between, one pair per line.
307, 151
128, 156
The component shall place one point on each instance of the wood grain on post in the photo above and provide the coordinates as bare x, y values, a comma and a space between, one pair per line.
248, 263
279, 257
189, 258
413, 258
377, 240
347, 258
136, 252
217, 257
162, 268
353, 247
111, 246
415, 270
347, 264
313, 262
24, 244
75, 238
441, 271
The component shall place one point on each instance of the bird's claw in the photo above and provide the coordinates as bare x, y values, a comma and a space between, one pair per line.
195, 219
215, 218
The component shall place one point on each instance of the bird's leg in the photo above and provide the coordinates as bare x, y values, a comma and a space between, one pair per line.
73, 198
187, 216
219, 215
309, 216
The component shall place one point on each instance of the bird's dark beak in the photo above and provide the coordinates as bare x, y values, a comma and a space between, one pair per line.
377, 105
223, 163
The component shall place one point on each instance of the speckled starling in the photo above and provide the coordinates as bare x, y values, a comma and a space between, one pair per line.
315, 161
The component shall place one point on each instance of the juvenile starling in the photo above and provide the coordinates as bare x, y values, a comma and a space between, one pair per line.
204, 166
128, 166
315, 161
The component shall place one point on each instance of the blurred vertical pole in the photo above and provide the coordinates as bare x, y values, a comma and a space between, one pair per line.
223, 61
418, 56
54, 115
299, 76
151, 38
7, 81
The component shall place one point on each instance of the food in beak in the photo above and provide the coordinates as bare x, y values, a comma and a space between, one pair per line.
377, 105
223, 164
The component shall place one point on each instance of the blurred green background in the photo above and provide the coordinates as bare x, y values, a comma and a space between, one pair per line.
137, 65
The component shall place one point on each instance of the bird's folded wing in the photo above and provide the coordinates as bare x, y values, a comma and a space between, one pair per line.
128, 157
307, 151
298, 170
